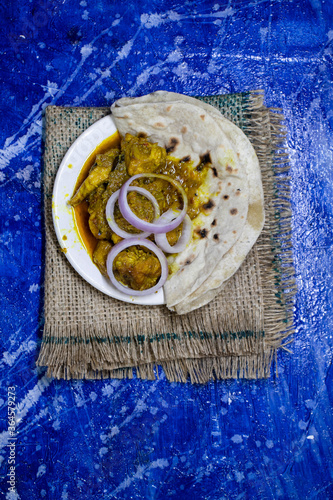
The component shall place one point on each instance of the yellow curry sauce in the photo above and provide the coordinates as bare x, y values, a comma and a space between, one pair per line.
81, 215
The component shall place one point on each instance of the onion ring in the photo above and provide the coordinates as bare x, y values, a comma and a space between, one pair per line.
161, 239
119, 247
153, 227
109, 212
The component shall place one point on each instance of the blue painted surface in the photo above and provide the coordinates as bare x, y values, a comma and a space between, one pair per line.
155, 440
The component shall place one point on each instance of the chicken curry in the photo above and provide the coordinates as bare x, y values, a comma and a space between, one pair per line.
135, 267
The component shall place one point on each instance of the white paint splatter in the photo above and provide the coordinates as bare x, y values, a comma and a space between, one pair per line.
181, 70
107, 390
114, 431
33, 288
123, 53
269, 443
87, 50
10, 151
175, 56
93, 396
31, 398
302, 425
110, 95
26, 346
160, 463
228, 12
41, 470
103, 451
12, 495
263, 34
56, 425
237, 438
239, 476
151, 20
51, 88
123, 410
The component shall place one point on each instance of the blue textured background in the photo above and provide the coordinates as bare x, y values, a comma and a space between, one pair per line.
140, 440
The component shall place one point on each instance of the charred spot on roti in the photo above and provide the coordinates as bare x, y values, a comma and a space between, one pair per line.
159, 125
186, 158
216, 237
184, 130
229, 169
202, 233
234, 232
215, 172
169, 108
188, 261
209, 205
234, 211
238, 192
173, 143
205, 158
202, 117
226, 197
142, 135
214, 222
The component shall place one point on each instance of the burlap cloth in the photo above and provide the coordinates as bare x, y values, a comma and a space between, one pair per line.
90, 335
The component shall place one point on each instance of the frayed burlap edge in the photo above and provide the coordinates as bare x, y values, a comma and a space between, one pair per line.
275, 239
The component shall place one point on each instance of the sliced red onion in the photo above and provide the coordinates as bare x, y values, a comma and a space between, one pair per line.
119, 247
161, 239
153, 227
109, 212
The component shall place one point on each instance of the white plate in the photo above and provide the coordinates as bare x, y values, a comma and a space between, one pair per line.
63, 214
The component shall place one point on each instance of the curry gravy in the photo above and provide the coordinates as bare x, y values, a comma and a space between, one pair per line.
81, 215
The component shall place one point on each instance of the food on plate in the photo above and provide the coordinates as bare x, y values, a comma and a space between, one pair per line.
161, 189
184, 185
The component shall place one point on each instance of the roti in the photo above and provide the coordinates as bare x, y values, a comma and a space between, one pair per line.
232, 196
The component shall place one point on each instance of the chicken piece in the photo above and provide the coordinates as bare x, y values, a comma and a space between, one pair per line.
97, 220
116, 238
137, 268
98, 174
99, 198
100, 254
141, 155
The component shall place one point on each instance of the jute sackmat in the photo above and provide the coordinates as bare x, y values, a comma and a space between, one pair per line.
90, 335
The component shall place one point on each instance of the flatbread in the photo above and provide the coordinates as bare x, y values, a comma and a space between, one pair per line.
193, 128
